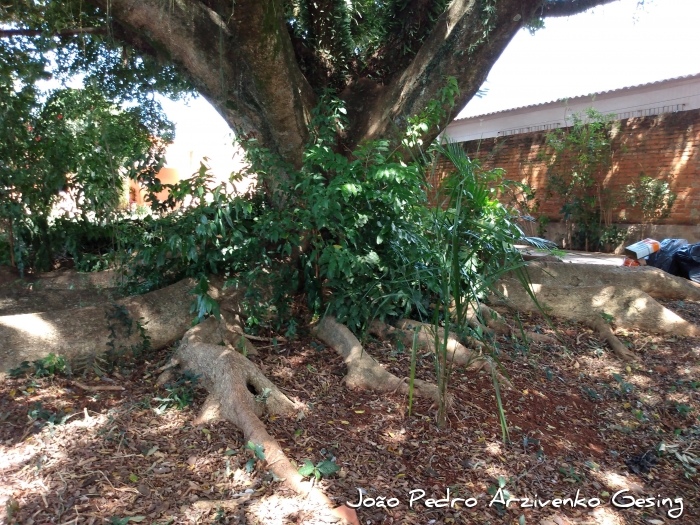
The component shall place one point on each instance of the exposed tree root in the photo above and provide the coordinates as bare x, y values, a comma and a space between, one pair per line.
456, 351
61, 279
74, 333
630, 308
240, 393
653, 281
498, 325
363, 371
607, 334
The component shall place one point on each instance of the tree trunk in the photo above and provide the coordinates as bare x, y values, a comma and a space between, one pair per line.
247, 60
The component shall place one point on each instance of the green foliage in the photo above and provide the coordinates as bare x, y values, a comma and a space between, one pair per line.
625, 387
578, 156
652, 196
570, 474
258, 455
412, 370
500, 494
180, 392
607, 317
37, 413
352, 233
534, 24
45, 367
323, 468
682, 408
70, 142
81, 142
471, 241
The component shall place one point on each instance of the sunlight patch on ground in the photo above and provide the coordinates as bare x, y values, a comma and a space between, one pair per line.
12, 457
280, 510
606, 516
494, 448
639, 381
31, 324
615, 481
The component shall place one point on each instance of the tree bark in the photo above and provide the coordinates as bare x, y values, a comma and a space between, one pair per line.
653, 281
80, 332
241, 57
238, 55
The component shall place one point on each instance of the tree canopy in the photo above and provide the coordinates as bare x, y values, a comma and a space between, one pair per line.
264, 64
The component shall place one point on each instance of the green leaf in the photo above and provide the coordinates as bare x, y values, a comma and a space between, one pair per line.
327, 467
307, 469
249, 465
258, 450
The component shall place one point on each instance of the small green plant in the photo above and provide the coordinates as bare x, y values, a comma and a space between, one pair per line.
625, 387
683, 409
45, 367
612, 236
571, 474
323, 468
592, 394
412, 370
258, 455
652, 196
262, 397
37, 412
50, 365
180, 393
607, 317
500, 494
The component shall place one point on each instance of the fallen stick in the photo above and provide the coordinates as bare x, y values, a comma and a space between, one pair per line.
98, 387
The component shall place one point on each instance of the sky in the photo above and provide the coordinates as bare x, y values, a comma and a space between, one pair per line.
609, 47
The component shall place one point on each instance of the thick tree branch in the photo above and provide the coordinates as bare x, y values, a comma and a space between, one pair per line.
241, 60
408, 24
465, 43
9, 33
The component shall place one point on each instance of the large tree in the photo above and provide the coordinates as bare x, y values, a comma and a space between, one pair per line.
265, 65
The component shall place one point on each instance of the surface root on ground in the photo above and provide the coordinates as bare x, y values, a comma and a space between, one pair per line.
363, 371
240, 393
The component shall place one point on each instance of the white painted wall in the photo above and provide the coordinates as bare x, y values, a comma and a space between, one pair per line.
666, 96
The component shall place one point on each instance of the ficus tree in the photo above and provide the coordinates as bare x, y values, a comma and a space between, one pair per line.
341, 202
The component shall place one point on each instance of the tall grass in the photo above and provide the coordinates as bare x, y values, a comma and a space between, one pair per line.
473, 236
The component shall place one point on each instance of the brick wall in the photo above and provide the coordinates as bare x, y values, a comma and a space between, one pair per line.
657, 146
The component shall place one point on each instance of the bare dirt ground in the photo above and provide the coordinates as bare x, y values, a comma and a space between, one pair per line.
579, 420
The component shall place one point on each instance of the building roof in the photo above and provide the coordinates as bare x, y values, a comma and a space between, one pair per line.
636, 86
